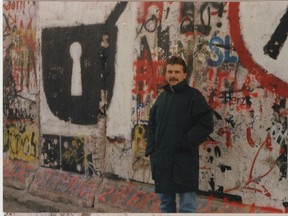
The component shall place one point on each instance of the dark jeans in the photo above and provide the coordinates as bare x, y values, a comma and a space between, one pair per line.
187, 202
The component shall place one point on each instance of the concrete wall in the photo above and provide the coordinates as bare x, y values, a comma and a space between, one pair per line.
80, 77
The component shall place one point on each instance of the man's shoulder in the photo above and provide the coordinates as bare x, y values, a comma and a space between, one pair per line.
193, 90
194, 93
159, 97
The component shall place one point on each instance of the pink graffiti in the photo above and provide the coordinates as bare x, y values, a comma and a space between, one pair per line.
66, 182
17, 169
129, 196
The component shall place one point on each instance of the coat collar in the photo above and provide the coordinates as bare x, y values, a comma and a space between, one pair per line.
180, 86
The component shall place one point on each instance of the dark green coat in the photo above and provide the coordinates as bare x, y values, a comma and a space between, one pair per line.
180, 120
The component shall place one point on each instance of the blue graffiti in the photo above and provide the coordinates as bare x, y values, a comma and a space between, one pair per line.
221, 51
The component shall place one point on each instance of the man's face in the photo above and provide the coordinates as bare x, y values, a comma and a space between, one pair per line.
175, 74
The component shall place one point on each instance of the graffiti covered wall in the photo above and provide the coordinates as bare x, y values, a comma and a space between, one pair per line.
20, 81
99, 68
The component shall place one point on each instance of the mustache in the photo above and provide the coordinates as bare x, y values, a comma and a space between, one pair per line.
173, 79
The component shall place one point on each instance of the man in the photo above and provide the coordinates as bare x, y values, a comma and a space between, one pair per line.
180, 120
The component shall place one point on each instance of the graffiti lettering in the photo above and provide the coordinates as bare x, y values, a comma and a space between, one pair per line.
129, 196
149, 75
218, 57
14, 5
82, 187
22, 145
17, 169
228, 91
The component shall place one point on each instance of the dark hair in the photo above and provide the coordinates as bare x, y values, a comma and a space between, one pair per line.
176, 60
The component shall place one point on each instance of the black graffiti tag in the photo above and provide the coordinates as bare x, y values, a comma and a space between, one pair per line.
278, 38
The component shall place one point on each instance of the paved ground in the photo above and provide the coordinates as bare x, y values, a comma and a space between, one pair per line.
11, 205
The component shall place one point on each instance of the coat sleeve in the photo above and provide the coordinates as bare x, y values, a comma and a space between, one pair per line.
151, 129
202, 123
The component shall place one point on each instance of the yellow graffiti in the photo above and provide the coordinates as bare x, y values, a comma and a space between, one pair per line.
139, 145
5, 139
139, 142
22, 146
